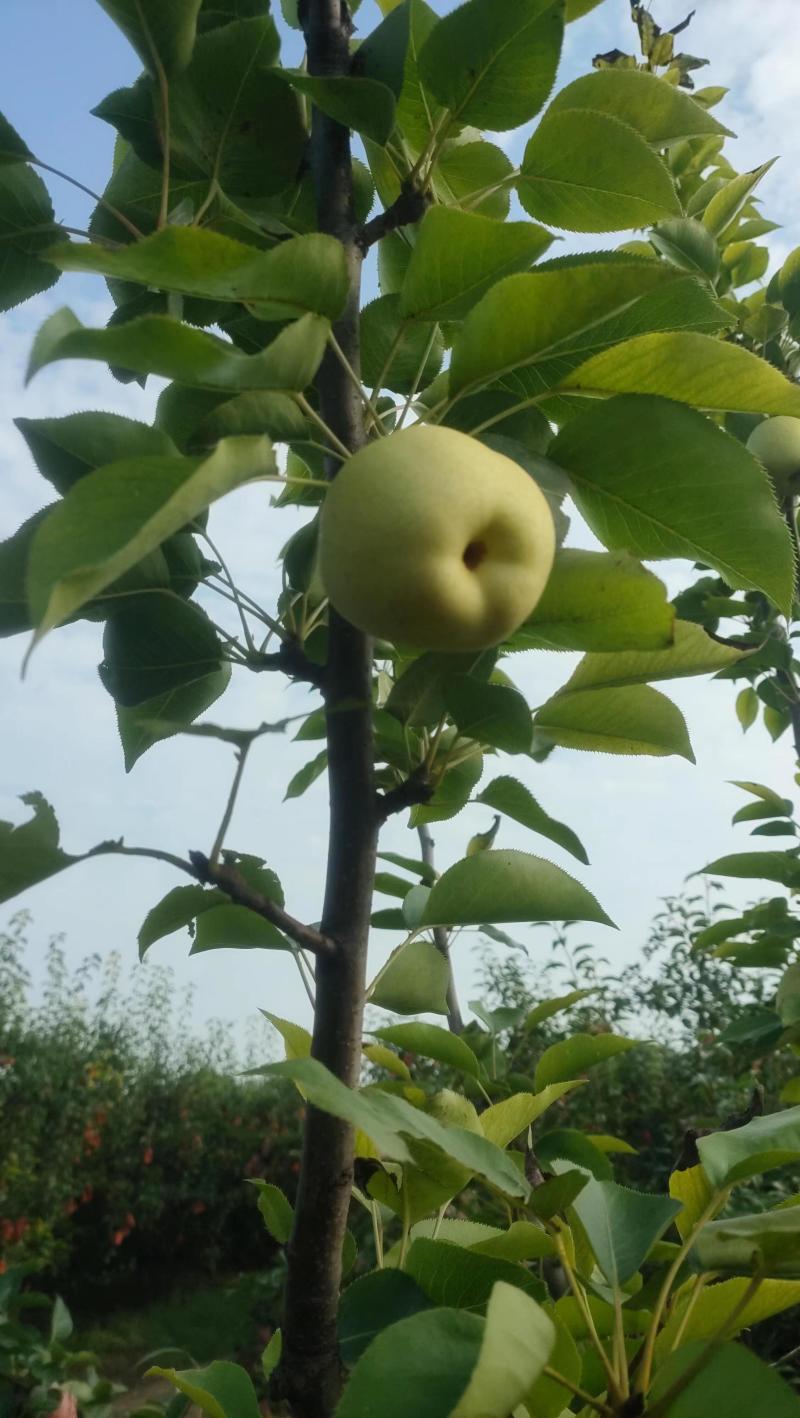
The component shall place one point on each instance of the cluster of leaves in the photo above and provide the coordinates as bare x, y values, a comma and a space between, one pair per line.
125, 1142
615, 378
209, 218
39, 1372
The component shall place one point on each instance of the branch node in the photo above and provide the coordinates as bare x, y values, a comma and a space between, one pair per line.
416, 790
408, 209
290, 660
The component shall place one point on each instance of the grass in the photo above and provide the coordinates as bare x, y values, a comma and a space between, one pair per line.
230, 1318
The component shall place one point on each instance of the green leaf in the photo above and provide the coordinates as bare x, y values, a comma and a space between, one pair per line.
599, 601
156, 344
768, 1242
61, 1325
115, 516
12, 147
161, 35
512, 798
493, 62
576, 9
729, 200
688, 245
465, 168
458, 256
394, 351
236, 928
389, 1120
432, 1043
783, 867
525, 319
30, 853
759, 1146
296, 1039
729, 1379
509, 886
747, 707
155, 645
491, 714
660, 113
250, 139
504, 1121
362, 104
373, 1303
276, 1209
14, 610
648, 477
634, 719
223, 1390
454, 1275
307, 274
176, 910
557, 1194
27, 228
517, 1343
156, 719
410, 864
547, 1008
306, 775
421, 1364
452, 794
65, 449
562, 1148
587, 171
414, 980
692, 653
622, 1225
692, 369
571, 1057
717, 1302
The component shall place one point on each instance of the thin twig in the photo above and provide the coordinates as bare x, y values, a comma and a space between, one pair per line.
241, 760
414, 790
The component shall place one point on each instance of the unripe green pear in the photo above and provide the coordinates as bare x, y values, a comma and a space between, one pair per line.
430, 539
776, 444
454, 1110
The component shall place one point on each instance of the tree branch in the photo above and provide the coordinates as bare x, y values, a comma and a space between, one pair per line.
441, 939
416, 789
409, 208
310, 1373
231, 881
290, 660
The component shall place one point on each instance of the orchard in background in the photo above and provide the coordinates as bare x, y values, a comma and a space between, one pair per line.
616, 381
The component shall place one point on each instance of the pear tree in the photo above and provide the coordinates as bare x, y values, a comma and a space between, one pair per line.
439, 435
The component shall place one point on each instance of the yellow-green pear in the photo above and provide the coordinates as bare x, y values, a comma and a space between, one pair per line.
429, 538
776, 444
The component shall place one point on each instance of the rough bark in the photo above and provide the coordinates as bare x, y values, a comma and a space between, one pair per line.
310, 1377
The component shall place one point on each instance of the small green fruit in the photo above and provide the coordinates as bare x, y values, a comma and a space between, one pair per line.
429, 538
776, 444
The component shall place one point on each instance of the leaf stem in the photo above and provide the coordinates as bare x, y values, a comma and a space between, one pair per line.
311, 413
232, 587
356, 382
101, 201
587, 1398
583, 1305
666, 1400
418, 378
716, 1203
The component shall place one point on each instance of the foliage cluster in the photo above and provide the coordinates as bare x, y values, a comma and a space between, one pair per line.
126, 1144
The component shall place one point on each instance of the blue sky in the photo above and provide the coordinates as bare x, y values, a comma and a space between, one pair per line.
646, 822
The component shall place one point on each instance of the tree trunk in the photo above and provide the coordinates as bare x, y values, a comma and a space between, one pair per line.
310, 1372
